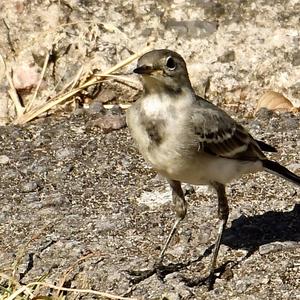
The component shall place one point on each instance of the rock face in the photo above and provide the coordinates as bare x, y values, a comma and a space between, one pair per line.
76, 197
242, 47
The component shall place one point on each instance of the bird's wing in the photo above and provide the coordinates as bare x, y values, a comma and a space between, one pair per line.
218, 134
265, 147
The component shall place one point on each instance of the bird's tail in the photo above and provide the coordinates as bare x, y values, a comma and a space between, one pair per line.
275, 168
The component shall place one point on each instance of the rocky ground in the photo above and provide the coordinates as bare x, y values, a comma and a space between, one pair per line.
68, 191
80, 206
235, 49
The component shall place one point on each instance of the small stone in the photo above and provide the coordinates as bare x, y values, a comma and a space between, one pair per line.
155, 198
188, 189
289, 123
214, 9
294, 167
4, 159
264, 114
241, 286
227, 275
39, 169
9, 174
56, 199
67, 169
192, 27
296, 59
31, 198
227, 57
106, 96
115, 110
265, 280
64, 153
270, 248
104, 224
96, 108
170, 296
108, 123
25, 76
79, 112
147, 32
30, 186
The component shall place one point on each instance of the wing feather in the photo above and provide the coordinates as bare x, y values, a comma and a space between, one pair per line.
218, 134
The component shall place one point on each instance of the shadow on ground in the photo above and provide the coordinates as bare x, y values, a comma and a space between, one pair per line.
247, 233
250, 233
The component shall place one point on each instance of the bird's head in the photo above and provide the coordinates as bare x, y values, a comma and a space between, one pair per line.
163, 71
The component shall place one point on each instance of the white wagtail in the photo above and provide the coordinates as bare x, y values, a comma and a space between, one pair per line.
188, 139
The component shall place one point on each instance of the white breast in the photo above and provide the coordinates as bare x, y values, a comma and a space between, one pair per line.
156, 108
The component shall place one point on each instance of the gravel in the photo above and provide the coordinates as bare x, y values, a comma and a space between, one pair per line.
69, 192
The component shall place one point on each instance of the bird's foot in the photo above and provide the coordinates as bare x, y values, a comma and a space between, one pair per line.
158, 268
136, 276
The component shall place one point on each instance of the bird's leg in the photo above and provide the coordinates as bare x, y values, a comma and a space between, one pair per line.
223, 212
180, 209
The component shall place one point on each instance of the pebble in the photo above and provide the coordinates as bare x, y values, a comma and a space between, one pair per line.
227, 275
96, 108
79, 112
241, 286
108, 123
107, 95
116, 110
227, 57
155, 198
264, 114
270, 248
30, 186
296, 59
4, 159
294, 167
55, 199
63, 153
104, 224
188, 189
170, 296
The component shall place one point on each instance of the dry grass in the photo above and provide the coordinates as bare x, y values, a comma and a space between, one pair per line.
31, 291
35, 107
12, 289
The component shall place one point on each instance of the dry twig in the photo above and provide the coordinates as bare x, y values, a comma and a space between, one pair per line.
35, 112
30, 103
88, 291
14, 95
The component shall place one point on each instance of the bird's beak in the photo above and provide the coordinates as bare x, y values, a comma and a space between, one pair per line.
143, 70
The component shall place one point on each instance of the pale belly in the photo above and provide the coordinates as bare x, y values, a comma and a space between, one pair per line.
198, 168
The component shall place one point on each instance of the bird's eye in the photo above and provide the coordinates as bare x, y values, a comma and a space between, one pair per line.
170, 63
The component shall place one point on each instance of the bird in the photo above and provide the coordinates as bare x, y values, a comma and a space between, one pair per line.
188, 139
